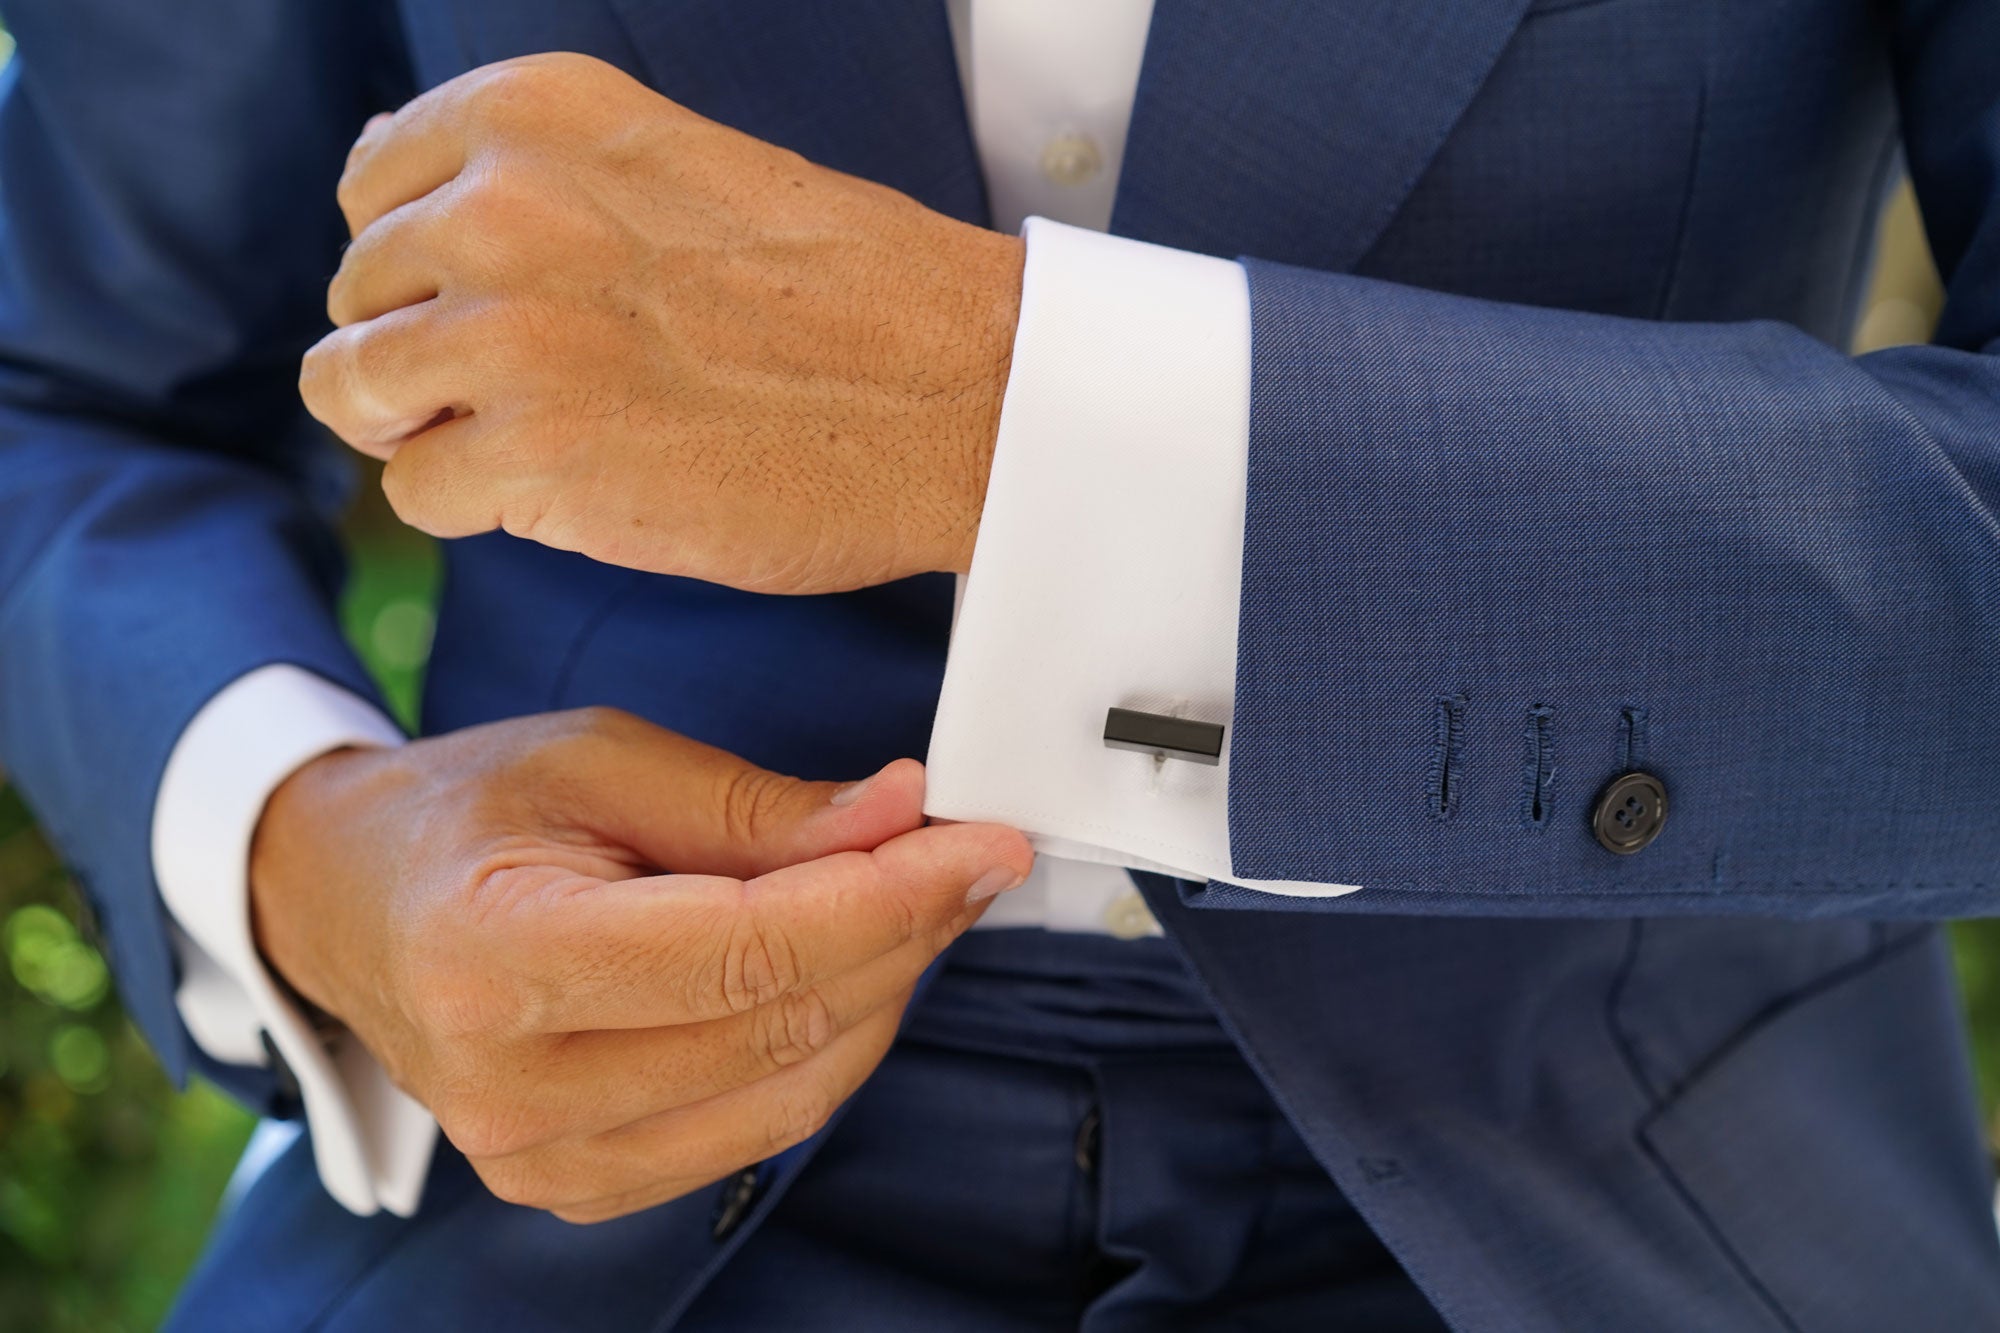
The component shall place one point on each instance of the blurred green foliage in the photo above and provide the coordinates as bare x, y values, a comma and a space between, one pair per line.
1976, 946
106, 1177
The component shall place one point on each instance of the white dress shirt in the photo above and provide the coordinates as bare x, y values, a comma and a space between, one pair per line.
1128, 399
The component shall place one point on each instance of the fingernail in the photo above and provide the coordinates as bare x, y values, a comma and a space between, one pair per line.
851, 793
994, 882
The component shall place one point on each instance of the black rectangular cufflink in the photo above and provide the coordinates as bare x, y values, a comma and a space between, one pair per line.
1155, 733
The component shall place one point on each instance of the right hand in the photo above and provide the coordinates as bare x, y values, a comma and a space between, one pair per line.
485, 911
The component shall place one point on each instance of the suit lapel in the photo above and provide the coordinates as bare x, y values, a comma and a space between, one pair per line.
1291, 129
865, 86
1294, 129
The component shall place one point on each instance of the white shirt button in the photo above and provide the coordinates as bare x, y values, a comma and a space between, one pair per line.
1071, 159
1129, 918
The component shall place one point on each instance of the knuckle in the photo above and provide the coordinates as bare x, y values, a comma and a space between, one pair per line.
794, 1028
912, 918
400, 489
471, 1133
347, 192
515, 204
353, 171
484, 1119
492, 197
366, 358
316, 377
750, 797
506, 216
796, 1116
472, 1118
575, 65
575, 736
601, 722
371, 133
555, 69
433, 490
337, 302
522, 1181
936, 932
533, 82
512, 97
520, 76
759, 965
534, 518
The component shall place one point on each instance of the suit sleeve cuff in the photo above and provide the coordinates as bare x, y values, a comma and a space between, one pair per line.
371, 1141
1108, 567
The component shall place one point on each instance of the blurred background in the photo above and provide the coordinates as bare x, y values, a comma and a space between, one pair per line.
109, 1177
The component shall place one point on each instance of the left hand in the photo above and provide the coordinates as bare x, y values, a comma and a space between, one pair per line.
581, 313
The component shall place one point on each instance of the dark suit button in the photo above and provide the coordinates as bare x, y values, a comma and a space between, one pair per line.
1630, 813
739, 1195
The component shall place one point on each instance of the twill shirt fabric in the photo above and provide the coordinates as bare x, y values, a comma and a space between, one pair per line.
1549, 434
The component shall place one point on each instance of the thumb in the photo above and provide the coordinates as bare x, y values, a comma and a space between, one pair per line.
769, 821
691, 808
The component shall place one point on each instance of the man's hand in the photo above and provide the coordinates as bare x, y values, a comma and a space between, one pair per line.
485, 911
581, 313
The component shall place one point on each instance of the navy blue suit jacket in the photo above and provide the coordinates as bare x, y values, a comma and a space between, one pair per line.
1557, 468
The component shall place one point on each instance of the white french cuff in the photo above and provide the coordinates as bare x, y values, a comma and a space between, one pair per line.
1108, 567
372, 1142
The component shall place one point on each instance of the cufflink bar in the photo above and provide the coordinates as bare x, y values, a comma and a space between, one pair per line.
1155, 733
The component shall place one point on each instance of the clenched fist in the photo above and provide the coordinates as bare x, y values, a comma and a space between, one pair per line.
616, 964
578, 312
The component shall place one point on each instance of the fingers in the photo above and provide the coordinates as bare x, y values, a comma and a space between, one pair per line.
686, 806
407, 155
588, 1083
394, 262
707, 948
429, 477
412, 152
378, 383
678, 1151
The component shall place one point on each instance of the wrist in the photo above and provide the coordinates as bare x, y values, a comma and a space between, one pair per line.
298, 837
992, 311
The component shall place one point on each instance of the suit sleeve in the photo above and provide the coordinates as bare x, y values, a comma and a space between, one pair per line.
166, 178
1497, 556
